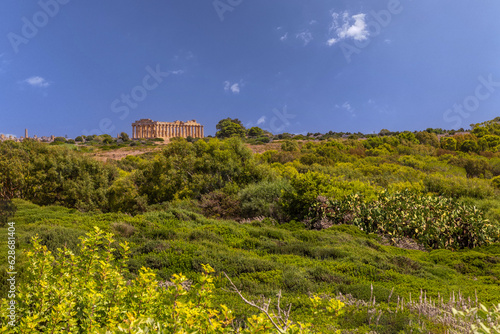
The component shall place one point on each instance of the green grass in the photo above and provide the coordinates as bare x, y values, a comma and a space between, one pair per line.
263, 259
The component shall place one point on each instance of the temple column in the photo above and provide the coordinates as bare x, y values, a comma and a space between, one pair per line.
198, 132
202, 132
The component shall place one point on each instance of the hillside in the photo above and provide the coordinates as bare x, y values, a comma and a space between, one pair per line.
372, 221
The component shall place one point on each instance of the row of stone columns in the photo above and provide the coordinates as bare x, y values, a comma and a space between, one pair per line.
167, 131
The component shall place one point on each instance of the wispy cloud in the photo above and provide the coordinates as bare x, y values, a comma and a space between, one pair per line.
305, 36
232, 87
284, 37
261, 120
346, 26
37, 82
346, 106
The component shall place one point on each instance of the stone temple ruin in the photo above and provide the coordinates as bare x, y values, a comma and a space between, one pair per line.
148, 129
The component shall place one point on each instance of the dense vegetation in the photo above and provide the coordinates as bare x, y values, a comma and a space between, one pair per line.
367, 221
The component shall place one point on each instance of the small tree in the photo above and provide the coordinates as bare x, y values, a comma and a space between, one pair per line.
124, 136
7, 210
255, 132
448, 143
230, 128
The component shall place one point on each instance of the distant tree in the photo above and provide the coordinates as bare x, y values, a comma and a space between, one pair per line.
233, 120
496, 182
384, 132
469, 146
480, 131
290, 146
449, 143
7, 210
284, 135
476, 167
230, 128
105, 139
59, 140
255, 132
124, 136
427, 138
409, 137
79, 139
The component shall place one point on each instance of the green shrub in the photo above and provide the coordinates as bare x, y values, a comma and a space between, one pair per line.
262, 199
435, 222
453, 186
290, 146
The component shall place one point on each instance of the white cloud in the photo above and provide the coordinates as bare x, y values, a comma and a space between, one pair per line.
177, 72
347, 106
312, 22
331, 41
261, 120
345, 26
284, 37
37, 82
234, 88
305, 36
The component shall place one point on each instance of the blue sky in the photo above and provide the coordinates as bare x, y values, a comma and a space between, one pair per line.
70, 67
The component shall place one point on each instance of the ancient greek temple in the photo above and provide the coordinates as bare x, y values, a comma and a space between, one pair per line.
146, 128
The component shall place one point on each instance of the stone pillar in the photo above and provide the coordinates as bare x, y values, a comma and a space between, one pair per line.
202, 132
